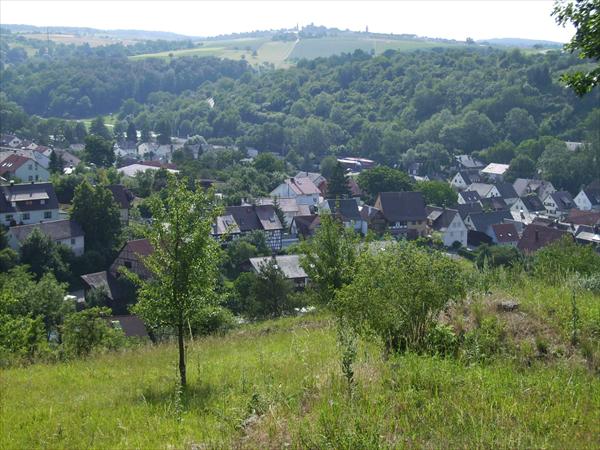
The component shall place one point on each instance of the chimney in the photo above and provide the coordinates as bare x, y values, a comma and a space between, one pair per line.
537, 235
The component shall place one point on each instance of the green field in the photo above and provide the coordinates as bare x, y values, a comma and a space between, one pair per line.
279, 384
282, 54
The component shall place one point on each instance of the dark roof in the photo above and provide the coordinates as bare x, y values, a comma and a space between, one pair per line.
348, 208
22, 193
579, 217
440, 218
564, 200
67, 157
465, 209
536, 236
141, 247
369, 213
592, 192
506, 190
482, 221
251, 217
470, 196
102, 280
306, 225
122, 195
132, 326
476, 238
505, 232
55, 229
533, 203
159, 164
468, 161
402, 206
493, 204
289, 265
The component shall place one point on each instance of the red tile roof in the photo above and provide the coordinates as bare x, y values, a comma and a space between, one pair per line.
537, 236
505, 232
12, 163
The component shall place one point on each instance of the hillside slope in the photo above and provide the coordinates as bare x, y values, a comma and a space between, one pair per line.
280, 383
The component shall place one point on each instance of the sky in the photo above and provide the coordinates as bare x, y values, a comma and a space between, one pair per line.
478, 19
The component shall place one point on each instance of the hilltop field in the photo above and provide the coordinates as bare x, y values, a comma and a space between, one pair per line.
516, 383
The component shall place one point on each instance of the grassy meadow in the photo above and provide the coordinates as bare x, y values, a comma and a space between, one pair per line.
278, 383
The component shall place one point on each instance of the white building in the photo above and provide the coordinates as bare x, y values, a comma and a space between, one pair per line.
302, 189
66, 232
588, 198
495, 171
22, 204
23, 168
449, 223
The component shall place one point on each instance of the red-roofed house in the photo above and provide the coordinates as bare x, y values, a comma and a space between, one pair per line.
23, 168
505, 234
301, 188
536, 236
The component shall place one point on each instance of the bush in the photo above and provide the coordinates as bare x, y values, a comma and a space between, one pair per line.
483, 342
562, 257
441, 340
497, 256
89, 330
214, 320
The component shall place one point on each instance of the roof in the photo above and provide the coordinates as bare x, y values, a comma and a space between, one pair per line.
67, 157
55, 229
132, 169
131, 325
441, 218
579, 217
505, 232
315, 177
13, 162
468, 161
26, 193
346, 208
564, 200
286, 204
495, 169
593, 194
465, 209
469, 176
302, 186
493, 204
402, 206
306, 225
289, 265
122, 195
102, 280
226, 224
368, 213
470, 196
525, 186
482, 221
141, 247
481, 188
537, 236
249, 218
506, 190
533, 203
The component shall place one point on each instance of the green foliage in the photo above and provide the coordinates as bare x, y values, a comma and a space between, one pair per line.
329, 258
337, 183
584, 15
88, 330
383, 179
42, 255
99, 151
99, 129
268, 163
521, 166
437, 193
272, 292
94, 208
491, 256
397, 293
184, 262
561, 258
484, 342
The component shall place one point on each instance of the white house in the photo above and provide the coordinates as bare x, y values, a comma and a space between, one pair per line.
23, 168
558, 204
302, 189
66, 232
347, 211
132, 169
526, 186
449, 223
495, 171
484, 190
527, 208
22, 204
588, 198
465, 197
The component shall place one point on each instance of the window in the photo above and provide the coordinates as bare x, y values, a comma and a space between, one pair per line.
72, 241
47, 214
8, 217
30, 166
30, 178
25, 216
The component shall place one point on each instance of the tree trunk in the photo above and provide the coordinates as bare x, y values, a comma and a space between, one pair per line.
181, 354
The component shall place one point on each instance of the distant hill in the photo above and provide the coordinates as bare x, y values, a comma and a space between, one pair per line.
522, 43
94, 32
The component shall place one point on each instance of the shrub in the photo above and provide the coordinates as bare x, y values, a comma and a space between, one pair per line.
483, 342
398, 293
562, 257
88, 330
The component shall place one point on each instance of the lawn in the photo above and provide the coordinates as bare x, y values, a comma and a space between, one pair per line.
279, 383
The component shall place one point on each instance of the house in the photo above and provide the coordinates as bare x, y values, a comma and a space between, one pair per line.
132, 169
23, 204
526, 208
504, 234
404, 213
132, 326
493, 204
288, 264
305, 226
347, 211
558, 204
66, 232
483, 221
318, 180
449, 223
288, 206
578, 217
484, 190
68, 158
494, 171
116, 287
302, 189
468, 197
123, 198
507, 192
527, 186
9, 140
468, 208
537, 236
589, 198
374, 218
240, 220
23, 168
464, 178
467, 162
587, 235
356, 164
